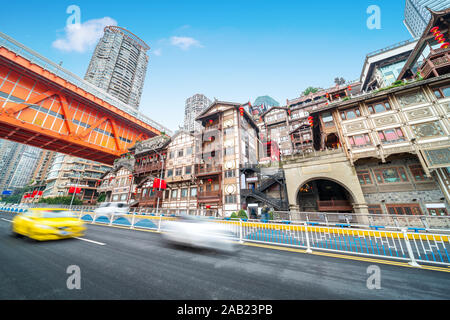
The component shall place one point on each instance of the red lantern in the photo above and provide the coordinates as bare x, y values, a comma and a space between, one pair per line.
438, 36
349, 88
434, 30
241, 111
311, 121
445, 45
210, 121
208, 207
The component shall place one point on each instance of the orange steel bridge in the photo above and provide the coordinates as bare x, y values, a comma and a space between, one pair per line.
45, 106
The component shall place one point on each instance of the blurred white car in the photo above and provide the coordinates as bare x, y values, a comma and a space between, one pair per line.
201, 233
112, 208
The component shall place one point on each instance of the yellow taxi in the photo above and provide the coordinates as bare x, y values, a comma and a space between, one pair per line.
47, 224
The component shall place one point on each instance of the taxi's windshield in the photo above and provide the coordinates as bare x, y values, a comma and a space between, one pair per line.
55, 214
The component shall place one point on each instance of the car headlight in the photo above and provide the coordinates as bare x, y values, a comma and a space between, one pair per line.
43, 226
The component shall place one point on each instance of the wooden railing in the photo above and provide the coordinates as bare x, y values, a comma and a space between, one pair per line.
436, 59
207, 169
148, 167
334, 205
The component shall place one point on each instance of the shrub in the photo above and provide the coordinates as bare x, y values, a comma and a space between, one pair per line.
61, 200
242, 214
234, 215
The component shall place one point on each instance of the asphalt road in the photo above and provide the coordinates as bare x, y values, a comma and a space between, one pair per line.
129, 264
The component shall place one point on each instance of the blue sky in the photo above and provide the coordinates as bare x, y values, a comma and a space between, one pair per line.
233, 50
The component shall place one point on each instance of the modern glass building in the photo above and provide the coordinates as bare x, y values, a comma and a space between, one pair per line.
417, 16
119, 65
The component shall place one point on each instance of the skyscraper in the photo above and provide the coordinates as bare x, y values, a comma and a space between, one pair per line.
17, 163
119, 65
417, 16
194, 106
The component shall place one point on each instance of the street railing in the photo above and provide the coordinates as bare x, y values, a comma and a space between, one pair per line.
388, 221
412, 244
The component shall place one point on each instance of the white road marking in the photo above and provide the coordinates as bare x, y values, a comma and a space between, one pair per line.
96, 242
6, 220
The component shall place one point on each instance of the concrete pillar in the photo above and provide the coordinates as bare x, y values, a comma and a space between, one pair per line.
361, 208
294, 212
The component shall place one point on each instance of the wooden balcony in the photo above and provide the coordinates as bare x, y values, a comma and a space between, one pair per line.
156, 166
151, 200
211, 146
437, 63
334, 205
209, 196
206, 170
214, 126
185, 177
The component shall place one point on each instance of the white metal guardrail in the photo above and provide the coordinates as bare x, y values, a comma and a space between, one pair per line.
411, 244
371, 221
34, 57
428, 223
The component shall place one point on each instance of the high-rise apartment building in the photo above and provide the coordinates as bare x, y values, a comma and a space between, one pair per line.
417, 15
17, 163
119, 65
43, 166
194, 106
67, 171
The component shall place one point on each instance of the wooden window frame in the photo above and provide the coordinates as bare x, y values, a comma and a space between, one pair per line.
398, 169
444, 209
375, 209
441, 92
391, 141
415, 167
371, 107
365, 172
365, 135
344, 113
396, 206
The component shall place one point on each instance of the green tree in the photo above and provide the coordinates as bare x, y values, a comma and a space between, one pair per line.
101, 197
310, 90
242, 214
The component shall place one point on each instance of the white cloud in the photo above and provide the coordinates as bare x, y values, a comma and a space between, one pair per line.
84, 36
157, 52
185, 42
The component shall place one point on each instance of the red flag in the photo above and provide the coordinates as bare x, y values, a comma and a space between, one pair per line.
77, 190
39, 193
71, 189
158, 183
